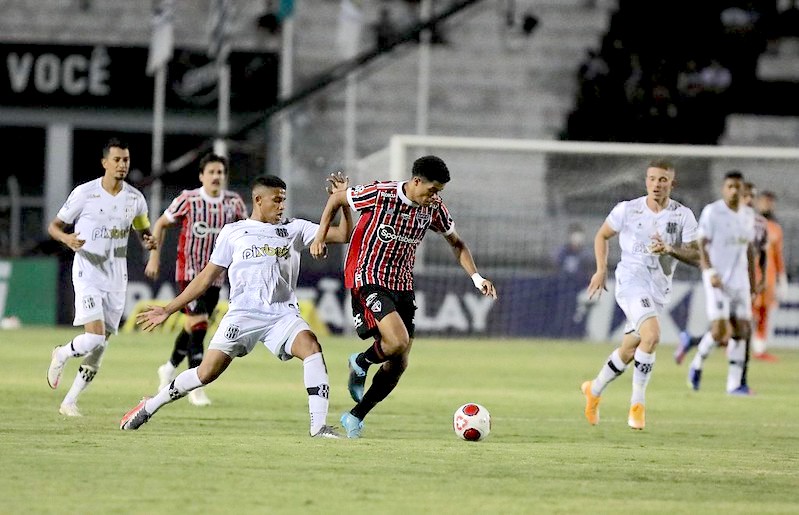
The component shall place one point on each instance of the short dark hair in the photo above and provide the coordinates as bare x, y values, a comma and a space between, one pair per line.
113, 142
268, 181
662, 163
431, 168
212, 158
735, 175
769, 194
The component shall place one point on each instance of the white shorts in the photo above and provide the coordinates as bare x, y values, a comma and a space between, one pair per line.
638, 305
725, 303
240, 331
93, 304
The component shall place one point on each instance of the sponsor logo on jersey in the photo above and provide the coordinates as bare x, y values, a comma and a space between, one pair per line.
266, 250
114, 233
201, 229
386, 194
387, 234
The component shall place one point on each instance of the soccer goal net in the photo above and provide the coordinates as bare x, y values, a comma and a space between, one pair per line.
519, 203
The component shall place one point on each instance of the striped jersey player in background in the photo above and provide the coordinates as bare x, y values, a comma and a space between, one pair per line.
102, 212
394, 217
201, 213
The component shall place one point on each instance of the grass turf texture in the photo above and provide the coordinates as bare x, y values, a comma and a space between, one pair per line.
701, 452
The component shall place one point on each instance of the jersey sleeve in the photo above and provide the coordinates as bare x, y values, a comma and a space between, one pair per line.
362, 197
141, 220
308, 232
779, 257
179, 207
222, 254
72, 207
615, 218
705, 226
442, 221
690, 227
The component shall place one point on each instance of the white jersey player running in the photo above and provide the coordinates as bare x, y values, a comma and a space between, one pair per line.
262, 257
727, 234
102, 211
654, 233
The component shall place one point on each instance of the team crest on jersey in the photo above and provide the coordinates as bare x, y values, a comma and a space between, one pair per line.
232, 332
671, 227
358, 189
282, 232
423, 217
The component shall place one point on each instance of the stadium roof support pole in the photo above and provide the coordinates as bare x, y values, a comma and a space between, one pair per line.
58, 169
286, 87
423, 93
157, 158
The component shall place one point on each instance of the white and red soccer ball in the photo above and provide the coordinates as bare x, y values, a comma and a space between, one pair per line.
472, 422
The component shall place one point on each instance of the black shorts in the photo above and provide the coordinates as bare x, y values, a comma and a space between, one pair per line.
205, 304
371, 303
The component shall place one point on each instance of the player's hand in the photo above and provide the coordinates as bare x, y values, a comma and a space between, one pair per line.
73, 241
149, 241
337, 182
153, 268
658, 247
597, 285
488, 289
150, 319
318, 249
715, 281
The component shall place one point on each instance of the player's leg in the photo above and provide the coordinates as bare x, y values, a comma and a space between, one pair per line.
197, 320
717, 307
88, 313
168, 371
764, 304
643, 364
306, 347
737, 348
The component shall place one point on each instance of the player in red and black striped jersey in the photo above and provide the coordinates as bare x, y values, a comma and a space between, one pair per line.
201, 213
394, 217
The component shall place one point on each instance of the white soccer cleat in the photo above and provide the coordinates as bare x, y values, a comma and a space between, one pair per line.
198, 397
166, 374
70, 410
55, 369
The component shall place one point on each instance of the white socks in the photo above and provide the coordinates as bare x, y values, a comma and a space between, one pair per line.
642, 372
706, 344
612, 369
758, 345
80, 346
185, 382
317, 384
736, 353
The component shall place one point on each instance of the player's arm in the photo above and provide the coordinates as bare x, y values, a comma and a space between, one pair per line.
157, 314
338, 183
779, 265
334, 203
141, 224
686, 252
57, 232
153, 266
464, 257
600, 277
706, 265
751, 255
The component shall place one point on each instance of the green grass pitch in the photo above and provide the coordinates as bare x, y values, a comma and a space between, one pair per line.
701, 452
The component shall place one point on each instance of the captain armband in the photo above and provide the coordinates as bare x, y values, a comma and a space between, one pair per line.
141, 222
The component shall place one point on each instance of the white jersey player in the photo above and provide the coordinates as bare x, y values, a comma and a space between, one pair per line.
102, 212
262, 258
654, 233
727, 235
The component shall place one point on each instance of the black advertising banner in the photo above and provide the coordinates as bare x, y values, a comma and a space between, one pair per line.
114, 77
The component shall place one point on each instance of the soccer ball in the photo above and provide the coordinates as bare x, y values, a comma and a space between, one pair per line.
472, 422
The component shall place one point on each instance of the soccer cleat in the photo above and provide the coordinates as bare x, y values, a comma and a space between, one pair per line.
682, 348
327, 432
357, 379
742, 391
198, 397
166, 374
352, 425
55, 369
135, 418
765, 356
694, 378
636, 418
70, 410
591, 404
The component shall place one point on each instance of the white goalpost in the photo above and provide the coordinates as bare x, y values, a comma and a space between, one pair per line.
514, 202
